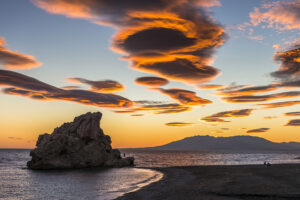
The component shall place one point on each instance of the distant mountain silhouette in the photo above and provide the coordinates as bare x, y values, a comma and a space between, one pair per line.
236, 143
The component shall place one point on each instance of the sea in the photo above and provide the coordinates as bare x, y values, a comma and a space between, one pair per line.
17, 182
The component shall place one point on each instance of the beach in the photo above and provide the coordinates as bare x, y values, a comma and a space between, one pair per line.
223, 182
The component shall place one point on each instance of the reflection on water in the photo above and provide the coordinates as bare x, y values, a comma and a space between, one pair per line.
17, 182
151, 158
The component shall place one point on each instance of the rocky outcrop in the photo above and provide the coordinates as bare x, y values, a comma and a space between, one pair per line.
78, 144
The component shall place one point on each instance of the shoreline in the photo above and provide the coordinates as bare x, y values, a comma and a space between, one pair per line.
222, 182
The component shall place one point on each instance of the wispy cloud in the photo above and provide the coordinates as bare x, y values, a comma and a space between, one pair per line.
294, 122
210, 87
261, 98
151, 81
282, 15
226, 114
213, 119
171, 108
178, 124
246, 90
259, 130
185, 97
279, 104
105, 86
292, 114
14, 60
22, 85
290, 64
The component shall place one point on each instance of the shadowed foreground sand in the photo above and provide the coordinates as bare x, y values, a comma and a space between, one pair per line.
224, 182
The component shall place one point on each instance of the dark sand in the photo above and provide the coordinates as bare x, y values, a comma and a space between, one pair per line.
223, 182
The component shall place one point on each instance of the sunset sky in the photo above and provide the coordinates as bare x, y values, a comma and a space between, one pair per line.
158, 70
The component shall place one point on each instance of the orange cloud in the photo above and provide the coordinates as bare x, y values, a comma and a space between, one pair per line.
70, 87
105, 86
178, 124
14, 60
137, 115
22, 85
270, 117
165, 108
210, 87
294, 122
246, 90
282, 15
185, 97
142, 26
213, 119
292, 114
290, 64
259, 130
252, 98
279, 104
231, 113
171, 108
151, 81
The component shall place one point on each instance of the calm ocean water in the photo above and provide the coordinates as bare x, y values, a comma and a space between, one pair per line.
16, 182
147, 158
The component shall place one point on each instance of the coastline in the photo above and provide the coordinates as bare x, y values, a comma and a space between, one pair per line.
223, 182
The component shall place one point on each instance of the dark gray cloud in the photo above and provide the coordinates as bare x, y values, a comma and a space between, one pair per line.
185, 97
290, 64
156, 40
246, 90
181, 70
218, 117
279, 104
143, 26
179, 124
214, 119
292, 114
22, 85
151, 81
170, 108
105, 86
294, 122
261, 98
14, 60
259, 130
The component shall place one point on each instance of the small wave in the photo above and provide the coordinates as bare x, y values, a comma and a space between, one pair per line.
157, 176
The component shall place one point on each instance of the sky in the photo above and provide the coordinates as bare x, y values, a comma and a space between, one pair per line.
159, 71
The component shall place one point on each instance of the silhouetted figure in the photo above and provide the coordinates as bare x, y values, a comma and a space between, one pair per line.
265, 163
268, 164
124, 155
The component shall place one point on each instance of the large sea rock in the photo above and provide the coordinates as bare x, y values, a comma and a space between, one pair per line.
78, 144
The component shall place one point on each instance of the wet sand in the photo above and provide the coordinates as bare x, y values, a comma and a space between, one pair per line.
259, 182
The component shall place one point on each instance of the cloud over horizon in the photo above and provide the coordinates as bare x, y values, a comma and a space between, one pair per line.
259, 130
292, 114
14, 60
294, 122
217, 117
178, 124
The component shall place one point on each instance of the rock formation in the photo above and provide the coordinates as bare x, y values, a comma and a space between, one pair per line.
78, 144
